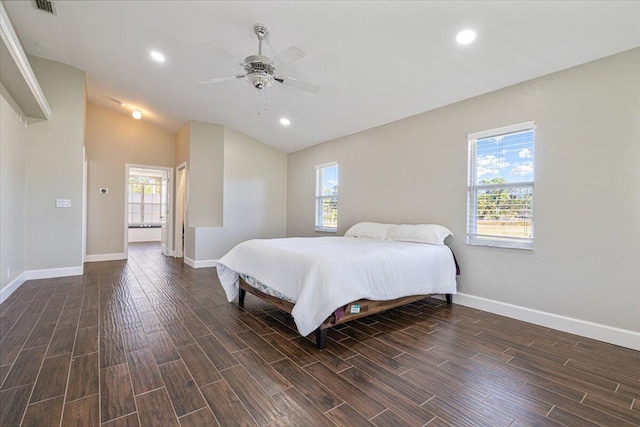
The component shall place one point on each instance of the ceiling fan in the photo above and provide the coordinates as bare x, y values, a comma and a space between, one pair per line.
260, 70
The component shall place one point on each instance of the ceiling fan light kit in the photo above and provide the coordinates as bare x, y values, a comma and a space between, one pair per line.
260, 70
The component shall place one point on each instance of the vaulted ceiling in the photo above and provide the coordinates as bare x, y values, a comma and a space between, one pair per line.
375, 62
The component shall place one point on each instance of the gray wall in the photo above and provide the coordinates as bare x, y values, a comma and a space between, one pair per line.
255, 194
54, 169
13, 189
113, 140
587, 188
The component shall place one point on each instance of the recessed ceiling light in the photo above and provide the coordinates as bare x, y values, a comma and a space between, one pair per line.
285, 122
136, 114
157, 56
466, 36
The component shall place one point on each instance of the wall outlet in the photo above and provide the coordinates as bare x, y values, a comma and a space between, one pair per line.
63, 203
104, 191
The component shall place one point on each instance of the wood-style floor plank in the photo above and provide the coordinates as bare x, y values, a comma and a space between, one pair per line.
82, 412
152, 342
270, 380
155, 409
183, 391
26, 367
301, 410
144, 372
45, 413
226, 406
130, 420
13, 403
201, 368
200, 418
52, 380
345, 416
116, 393
260, 405
315, 392
83, 377
352, 395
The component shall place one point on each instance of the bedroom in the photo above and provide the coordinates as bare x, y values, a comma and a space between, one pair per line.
401, 160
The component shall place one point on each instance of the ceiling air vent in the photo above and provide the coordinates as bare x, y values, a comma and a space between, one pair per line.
45, 6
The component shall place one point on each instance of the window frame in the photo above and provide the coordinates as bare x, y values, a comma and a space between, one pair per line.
319, 199
141, 215
474, 239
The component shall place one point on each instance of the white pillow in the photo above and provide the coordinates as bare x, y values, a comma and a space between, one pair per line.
369, 230
433, 234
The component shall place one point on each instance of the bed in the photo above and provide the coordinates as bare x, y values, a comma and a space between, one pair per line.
326, 281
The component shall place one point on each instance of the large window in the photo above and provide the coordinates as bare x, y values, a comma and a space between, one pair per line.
327, 197
147, 200
500, 187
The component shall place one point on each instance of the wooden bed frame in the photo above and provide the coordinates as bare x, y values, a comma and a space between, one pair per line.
367, 307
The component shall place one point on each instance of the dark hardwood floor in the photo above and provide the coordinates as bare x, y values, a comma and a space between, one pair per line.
153, 342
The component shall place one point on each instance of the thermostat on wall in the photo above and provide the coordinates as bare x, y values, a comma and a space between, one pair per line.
104, 191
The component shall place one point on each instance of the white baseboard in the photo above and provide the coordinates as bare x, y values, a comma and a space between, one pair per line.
11, 287
200, 264
105, 257
49, 273
596, 331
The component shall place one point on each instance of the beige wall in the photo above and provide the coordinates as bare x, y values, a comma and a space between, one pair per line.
114, 139
13, 189
206, 174
54, 170
182, 144
587, 188
255, 192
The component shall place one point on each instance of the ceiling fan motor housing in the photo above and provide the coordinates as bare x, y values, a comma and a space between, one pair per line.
260, 70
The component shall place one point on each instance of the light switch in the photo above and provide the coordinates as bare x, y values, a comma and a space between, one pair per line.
63, 203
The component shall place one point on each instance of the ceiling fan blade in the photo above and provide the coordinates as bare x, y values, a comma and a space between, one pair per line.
224, 53
220, 79
298, 84
288, 57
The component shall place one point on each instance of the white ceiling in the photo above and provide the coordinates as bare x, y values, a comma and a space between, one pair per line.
375, 62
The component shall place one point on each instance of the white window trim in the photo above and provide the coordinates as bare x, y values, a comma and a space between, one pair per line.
502, 130
472, 186
322, 228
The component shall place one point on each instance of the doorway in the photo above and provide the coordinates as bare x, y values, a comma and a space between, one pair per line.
181, 209
148, 206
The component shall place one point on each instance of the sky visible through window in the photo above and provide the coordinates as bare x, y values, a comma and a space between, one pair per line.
505, 159
329, 181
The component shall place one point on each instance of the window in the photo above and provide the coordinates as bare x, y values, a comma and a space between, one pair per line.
327, 197
500, 187
147, 199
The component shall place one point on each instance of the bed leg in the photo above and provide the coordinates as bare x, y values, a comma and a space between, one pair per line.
321, 338
448, 296
241, 297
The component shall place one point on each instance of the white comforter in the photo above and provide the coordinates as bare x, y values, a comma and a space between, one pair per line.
324, 273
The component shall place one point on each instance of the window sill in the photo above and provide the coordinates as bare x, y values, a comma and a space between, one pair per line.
327, 230
500, 243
